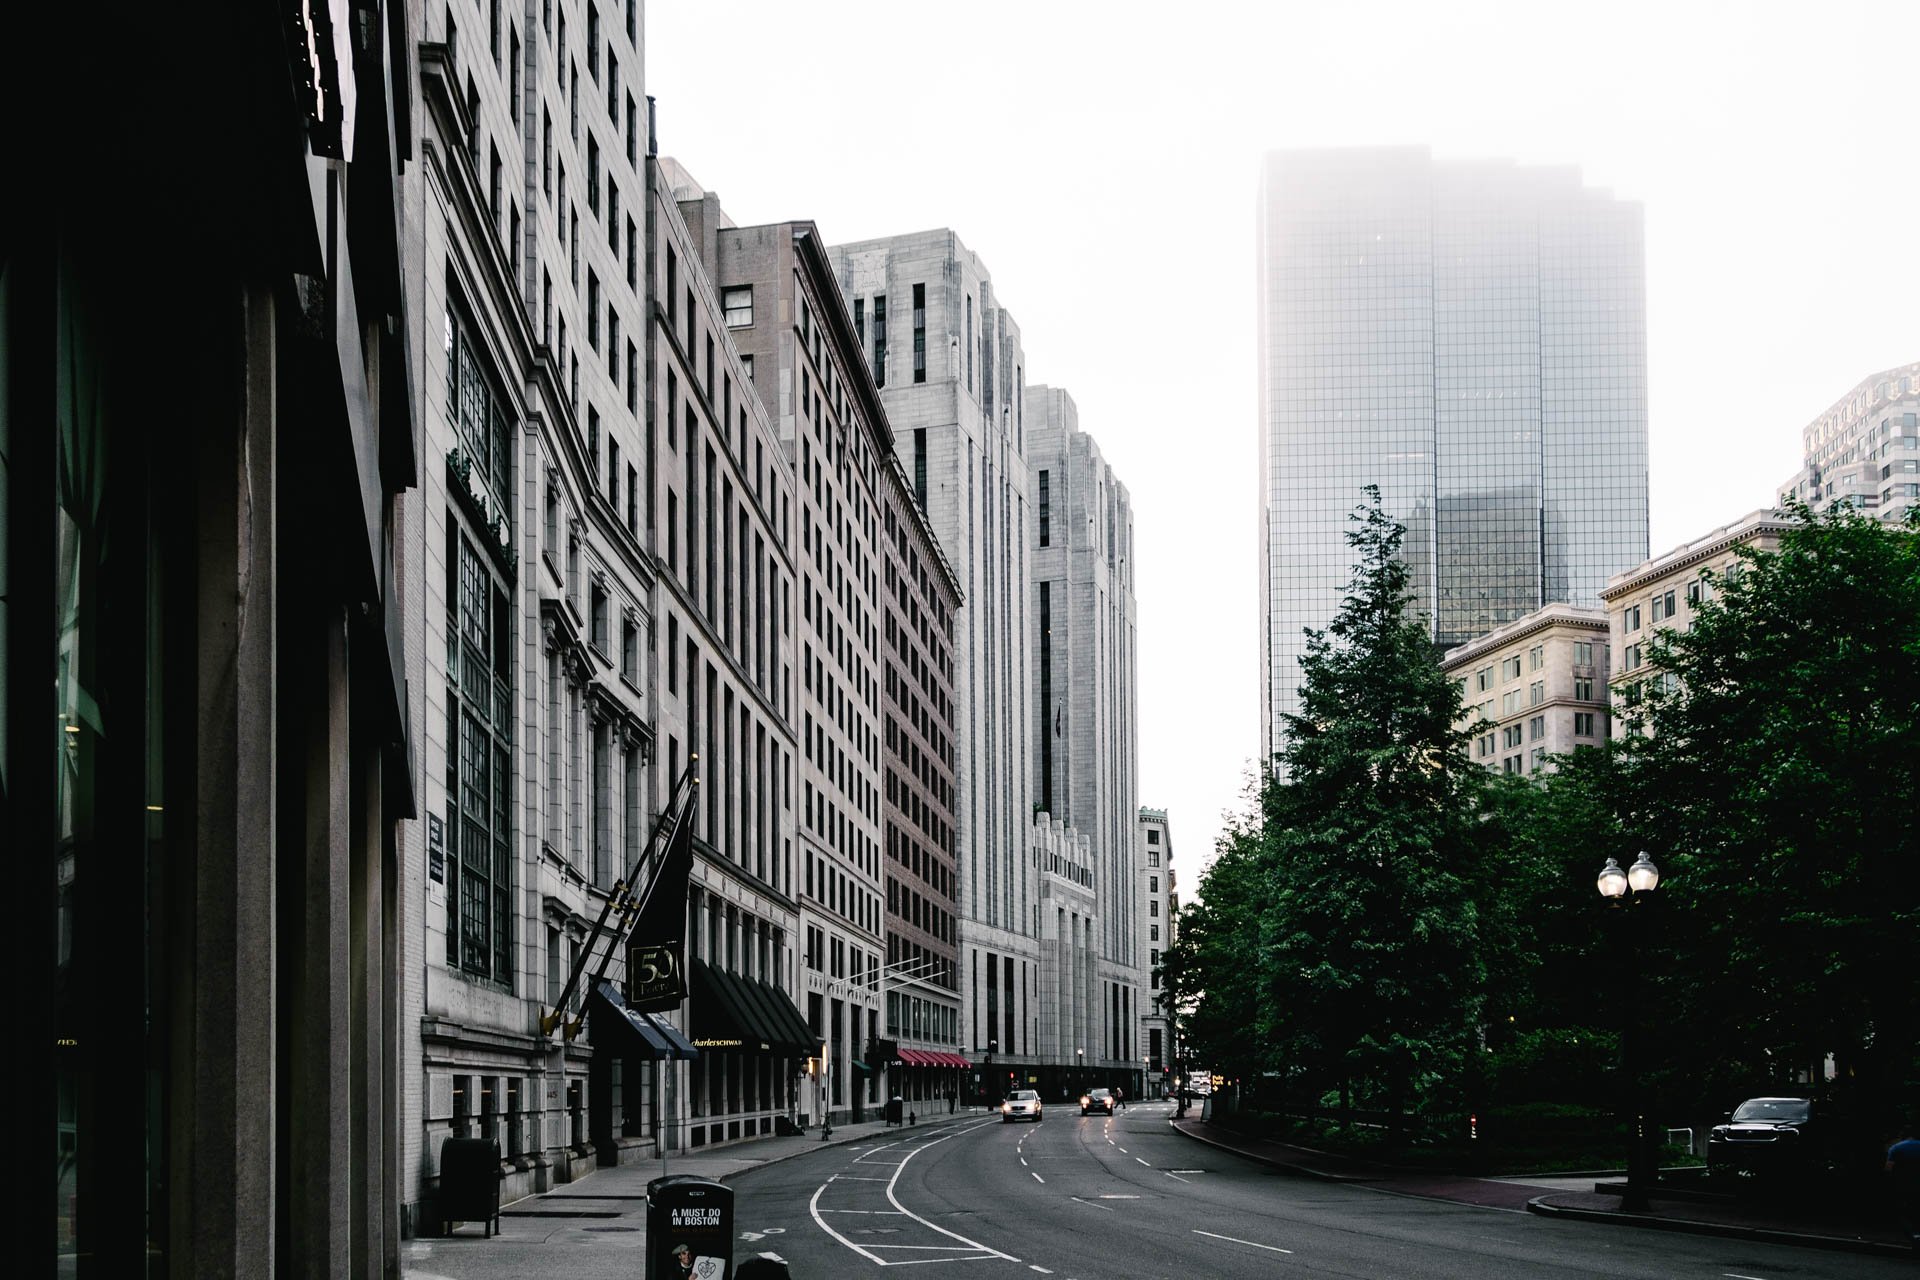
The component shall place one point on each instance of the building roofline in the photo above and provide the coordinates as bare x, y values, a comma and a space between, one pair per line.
1558, 614
1760, 521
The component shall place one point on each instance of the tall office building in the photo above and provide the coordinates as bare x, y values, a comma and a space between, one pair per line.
949, 361
1864, 451
1470, 337
1155, 840
1086, 767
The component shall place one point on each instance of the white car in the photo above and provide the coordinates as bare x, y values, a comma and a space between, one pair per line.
1021, 1104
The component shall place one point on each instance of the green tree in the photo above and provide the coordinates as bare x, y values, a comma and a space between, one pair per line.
1371, 945
1782, 773
1212, 965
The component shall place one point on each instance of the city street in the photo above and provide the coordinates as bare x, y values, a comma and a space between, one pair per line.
1125, 1196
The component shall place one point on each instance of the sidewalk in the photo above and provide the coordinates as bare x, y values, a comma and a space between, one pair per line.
600, 1221
1557, 1196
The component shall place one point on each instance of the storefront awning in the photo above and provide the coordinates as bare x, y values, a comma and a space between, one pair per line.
746, 1014
784, 1022
723, 1016
634, 1034
932, 1058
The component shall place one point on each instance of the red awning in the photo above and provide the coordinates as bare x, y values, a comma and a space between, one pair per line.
931, 1058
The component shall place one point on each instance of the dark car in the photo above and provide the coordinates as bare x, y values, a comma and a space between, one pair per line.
1096, 1100
1767, 1137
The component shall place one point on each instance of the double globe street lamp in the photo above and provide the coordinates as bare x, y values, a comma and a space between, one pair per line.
1631, 890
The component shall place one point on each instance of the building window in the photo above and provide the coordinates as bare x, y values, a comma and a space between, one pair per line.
629, 650
1509, 702
1484, 746
1630, 618
1583, 653
480, 417
1538, 761
1663, 606
1630, 657
880, 340
1483, 679
1510, 668
1583, 724
1536, 657
920, 333
736, 306
1583, 689
1153, 834
1536, 693
1153, 856
1536, 728
1046, 530
479, 752
1510, 736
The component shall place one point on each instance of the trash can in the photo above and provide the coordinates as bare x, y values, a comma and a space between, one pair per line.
894, 1115
470, 1183
689, 1228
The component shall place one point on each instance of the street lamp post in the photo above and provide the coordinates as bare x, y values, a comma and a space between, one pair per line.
1631, 891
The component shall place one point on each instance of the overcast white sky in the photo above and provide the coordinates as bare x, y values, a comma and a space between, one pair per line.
1102, 159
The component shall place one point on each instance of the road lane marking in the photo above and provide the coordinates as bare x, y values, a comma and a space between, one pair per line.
1038, 1178
968, 1246
1023, 1162
1177, 1178
1143, 1162
1118, 1196
1090, 1204
1737, 1276
1042, 1270
878, 1213
1271, 1248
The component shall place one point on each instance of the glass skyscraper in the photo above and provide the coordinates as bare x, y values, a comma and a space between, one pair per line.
1470, 337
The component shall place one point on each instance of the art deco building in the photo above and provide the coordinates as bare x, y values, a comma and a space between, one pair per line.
948, 361
1865, 450
1535, 688
1471, 338
1084, 727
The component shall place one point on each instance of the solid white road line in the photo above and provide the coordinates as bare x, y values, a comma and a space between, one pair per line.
1091, 1205
1038, 1178
1271, 1248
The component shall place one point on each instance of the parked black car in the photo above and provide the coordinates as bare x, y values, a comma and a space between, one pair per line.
1768, 1137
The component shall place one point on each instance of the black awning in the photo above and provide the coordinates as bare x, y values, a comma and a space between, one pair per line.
723, 1017
789, 1024
633, 1034
770, 1003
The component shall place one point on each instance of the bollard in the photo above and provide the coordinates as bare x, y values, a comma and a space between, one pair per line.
912, 1118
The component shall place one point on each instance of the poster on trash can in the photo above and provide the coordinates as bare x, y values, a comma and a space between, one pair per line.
697, 1243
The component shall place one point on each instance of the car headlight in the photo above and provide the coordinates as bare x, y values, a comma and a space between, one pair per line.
1083, 1100
1006, 1106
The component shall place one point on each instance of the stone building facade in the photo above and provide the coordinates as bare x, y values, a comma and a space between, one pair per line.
1661, 595
1086, 766
1865, 449
1156, 929
786, 317
207, 454
530, 583
1535, 688
948, 362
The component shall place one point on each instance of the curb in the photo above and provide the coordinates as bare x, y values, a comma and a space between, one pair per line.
1304, 1170
1538, 1205
1694, 1226
822, 1146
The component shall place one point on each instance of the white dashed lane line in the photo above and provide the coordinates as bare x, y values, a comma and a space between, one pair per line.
1271, 1248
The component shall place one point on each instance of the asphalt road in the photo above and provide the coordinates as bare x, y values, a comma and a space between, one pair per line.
1126, 1198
